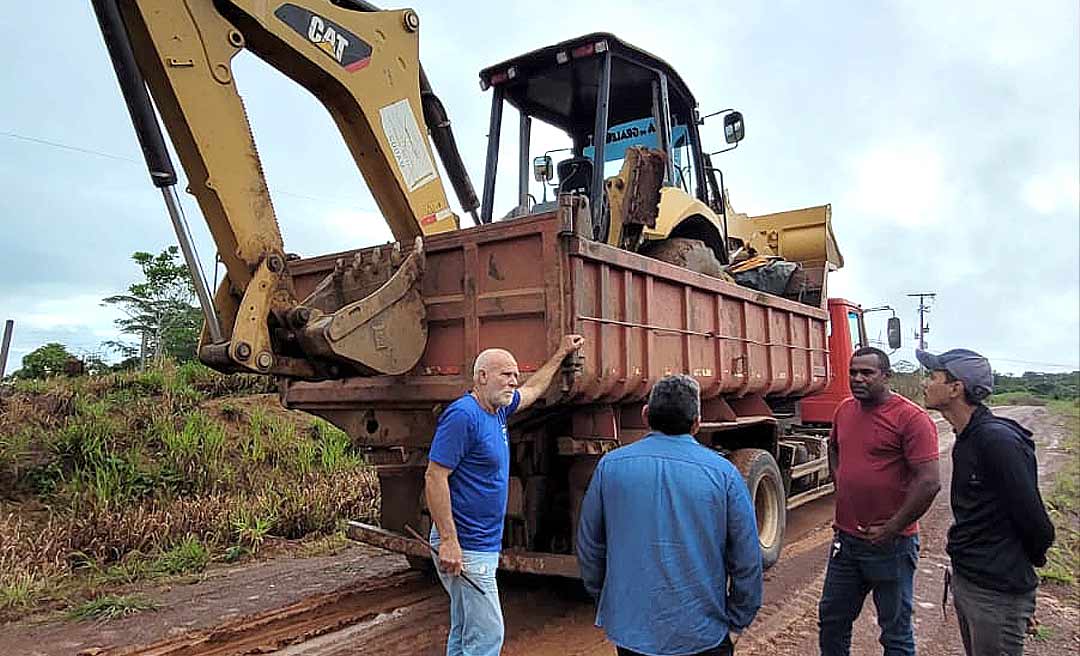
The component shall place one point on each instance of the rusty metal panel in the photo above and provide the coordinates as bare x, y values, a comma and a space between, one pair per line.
521, 284
644, 319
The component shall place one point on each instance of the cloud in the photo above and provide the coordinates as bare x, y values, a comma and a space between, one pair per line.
903, 182
944, 136
78, 321
1054, 192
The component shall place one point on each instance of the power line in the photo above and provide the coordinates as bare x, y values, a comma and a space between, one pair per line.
121, 158
56, 144
1074, 366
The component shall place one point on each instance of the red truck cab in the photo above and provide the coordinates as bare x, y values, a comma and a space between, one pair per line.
846, 333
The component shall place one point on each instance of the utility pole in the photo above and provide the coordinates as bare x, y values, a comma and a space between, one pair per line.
9, 326
142, 352
924, 309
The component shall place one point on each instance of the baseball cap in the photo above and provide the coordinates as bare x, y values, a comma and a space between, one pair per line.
970, 368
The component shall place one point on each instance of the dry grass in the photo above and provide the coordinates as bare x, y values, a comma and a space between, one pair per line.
124, 477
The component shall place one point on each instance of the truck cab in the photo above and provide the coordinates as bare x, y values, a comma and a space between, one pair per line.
847, 333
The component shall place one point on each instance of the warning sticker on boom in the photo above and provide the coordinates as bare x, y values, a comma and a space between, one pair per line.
408, 145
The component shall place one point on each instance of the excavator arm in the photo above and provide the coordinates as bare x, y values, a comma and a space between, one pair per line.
363, 65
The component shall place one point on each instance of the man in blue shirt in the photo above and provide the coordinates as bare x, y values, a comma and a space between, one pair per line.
667, 541
467, 481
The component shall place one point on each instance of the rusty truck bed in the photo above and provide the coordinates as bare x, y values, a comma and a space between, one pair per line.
523, 283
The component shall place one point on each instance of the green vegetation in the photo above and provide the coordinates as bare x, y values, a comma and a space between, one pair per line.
130, 476
1016, 398
45, 361
160, 309
111, 607
19, 591
1063, 560
187, 557
1039, 385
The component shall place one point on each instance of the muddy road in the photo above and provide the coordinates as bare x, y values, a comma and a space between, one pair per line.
385, 610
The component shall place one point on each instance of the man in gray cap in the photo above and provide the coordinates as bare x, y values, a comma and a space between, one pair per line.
1001, 531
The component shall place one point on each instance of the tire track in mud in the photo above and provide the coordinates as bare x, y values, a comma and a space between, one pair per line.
360, 605
406, 614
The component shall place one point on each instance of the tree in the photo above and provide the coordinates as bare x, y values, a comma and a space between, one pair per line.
45, 361
161, 309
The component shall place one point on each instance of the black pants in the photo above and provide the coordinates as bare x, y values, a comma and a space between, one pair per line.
724, 649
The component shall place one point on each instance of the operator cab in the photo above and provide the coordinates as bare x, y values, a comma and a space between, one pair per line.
602, 96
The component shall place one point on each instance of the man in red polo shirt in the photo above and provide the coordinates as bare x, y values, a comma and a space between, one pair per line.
884, 457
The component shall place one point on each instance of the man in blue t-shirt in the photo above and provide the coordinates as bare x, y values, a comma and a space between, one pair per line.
467, 480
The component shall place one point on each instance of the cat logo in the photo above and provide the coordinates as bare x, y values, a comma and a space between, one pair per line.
344, 47
326, 38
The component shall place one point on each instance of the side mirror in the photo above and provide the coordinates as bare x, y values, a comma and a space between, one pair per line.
893, 330
734, 128
543, 169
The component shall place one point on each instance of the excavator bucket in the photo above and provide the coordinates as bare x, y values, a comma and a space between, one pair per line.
385, 332
804, 236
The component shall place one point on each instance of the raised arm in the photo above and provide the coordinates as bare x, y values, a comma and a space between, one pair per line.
538, 383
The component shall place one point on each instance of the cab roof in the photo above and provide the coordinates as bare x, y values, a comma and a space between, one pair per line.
558, 84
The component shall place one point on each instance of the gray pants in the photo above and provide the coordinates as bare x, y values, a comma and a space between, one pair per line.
992, 623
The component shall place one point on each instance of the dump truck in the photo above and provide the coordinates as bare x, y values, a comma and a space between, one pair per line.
638, 249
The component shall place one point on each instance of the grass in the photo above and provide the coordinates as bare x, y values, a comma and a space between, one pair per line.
334, 447
251, 529
133, 568
20, 591
188, 557
1016, 398
1063, 502
111, 607
111, 480
327, 545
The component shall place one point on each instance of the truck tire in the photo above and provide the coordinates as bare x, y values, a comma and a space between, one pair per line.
690, 254
399, 493
766, 485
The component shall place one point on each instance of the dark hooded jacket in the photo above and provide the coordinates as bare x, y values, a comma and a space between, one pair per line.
1001, 530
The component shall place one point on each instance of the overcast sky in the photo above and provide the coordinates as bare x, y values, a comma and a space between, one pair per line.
944, 134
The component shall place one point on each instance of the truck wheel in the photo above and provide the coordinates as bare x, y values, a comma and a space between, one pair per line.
400, 492
690, 254
762, 476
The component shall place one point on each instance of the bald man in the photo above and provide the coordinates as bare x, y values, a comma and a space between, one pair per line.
467, 478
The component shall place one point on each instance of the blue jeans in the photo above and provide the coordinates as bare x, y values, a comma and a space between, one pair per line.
857, 567
476, 622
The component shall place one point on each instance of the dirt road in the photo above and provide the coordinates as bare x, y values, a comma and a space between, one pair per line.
793, 627
385, 610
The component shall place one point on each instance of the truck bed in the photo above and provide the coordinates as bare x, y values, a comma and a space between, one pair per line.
522, 284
